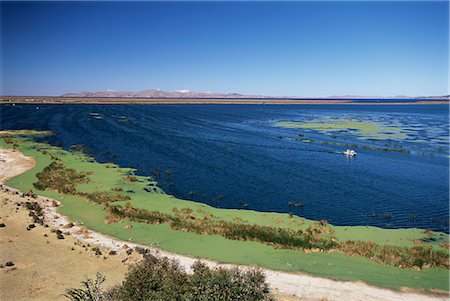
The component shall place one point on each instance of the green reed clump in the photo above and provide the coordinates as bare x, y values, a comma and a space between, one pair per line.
280, 237
403, 257
312, 238
104, 197
11, 141
137, 215
56, 176
131, 179
317, 237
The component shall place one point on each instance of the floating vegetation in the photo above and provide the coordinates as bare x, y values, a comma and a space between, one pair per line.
25, 133
387, 215
305, 140
57, 177
394, 134
366, 129
104, 197
131, 179
82, 149
64, 180
123, 119
354, 145
296, 204
96, 115
316, 237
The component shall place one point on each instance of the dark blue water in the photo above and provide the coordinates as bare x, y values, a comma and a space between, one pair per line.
236, 152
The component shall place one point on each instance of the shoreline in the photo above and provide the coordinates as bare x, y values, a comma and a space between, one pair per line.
300, 285
211, 101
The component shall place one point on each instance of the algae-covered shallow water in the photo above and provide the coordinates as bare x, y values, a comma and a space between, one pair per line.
272, 158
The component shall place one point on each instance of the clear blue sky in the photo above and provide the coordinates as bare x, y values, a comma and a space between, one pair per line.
271, 48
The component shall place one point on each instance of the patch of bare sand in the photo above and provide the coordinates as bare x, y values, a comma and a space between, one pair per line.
13, 163
45, 269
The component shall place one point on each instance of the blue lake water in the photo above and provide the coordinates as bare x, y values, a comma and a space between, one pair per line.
237, 153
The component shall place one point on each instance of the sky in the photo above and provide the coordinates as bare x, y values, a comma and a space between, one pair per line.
317, 49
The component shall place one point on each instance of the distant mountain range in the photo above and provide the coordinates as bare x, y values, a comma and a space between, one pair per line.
157, 93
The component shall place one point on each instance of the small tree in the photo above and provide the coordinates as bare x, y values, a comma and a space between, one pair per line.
91, 290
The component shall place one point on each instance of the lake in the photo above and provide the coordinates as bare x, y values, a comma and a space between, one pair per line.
283, 158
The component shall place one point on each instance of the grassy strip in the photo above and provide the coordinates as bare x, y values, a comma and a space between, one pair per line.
315, 238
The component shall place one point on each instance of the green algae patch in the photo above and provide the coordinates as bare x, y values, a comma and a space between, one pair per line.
111, 178
384, 133
25, 133
363, 129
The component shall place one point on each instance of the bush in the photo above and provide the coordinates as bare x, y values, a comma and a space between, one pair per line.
90, 291
165, 280
162, 281
227, 284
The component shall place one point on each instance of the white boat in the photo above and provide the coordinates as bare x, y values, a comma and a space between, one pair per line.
350, 152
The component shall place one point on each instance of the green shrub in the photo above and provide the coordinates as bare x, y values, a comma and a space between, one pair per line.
90, 290
164, 280
227, 284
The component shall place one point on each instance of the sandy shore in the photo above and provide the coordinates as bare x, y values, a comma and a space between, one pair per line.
45, 266
13, 163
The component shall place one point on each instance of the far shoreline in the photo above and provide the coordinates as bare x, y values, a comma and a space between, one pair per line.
221, 101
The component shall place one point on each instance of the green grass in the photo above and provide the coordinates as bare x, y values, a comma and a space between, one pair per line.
105, 177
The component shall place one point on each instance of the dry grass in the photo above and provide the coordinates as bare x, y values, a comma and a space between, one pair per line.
318, 237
